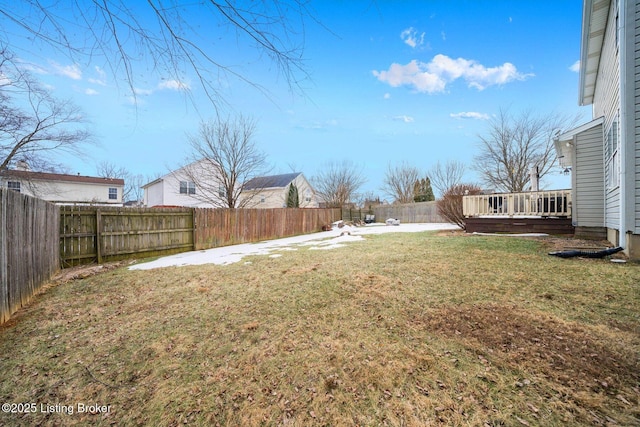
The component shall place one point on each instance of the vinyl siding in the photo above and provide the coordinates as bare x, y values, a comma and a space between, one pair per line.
606, 102
589, 184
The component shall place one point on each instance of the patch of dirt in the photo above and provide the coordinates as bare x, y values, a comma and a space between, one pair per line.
84, 271
564, 353
552, 243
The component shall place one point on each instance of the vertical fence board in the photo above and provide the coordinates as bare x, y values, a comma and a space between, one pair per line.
4, 247
29, 248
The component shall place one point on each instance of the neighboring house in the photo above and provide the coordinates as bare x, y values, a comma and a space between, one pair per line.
604, 154
64, 189
272, 191
177, 188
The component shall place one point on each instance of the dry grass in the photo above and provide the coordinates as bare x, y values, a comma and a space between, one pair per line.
406, 329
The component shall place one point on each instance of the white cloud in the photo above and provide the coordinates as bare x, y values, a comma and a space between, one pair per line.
144, 92
413, 74
575, 67
410, 37
387, 95
101, 77
4, 79
91, 92
174, 85
71, 71
406, 119
34, 68
470, 115
434, 76
318, 125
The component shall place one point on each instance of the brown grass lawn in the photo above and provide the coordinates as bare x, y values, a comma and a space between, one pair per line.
400, 330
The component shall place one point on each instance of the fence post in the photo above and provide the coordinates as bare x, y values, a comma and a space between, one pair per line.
99, 235
193, 224
4, 281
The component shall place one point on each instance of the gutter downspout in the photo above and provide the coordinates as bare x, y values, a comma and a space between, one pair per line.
627, 107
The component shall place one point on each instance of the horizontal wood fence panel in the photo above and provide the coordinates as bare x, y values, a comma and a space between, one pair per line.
29, 251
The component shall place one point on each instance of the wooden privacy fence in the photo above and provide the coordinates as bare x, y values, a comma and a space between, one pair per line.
421, 212
222, 227
29, 251
89, 234
98, 234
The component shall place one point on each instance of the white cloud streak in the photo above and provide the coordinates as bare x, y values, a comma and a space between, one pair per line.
101, 78
406, 119
71, 71
174, 85
433, 77
575, 67
470, 115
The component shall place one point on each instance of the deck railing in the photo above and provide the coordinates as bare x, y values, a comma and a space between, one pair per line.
556, 203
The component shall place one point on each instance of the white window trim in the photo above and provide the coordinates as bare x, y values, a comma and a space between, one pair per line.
189, 187
113, 191
15, 186
612, 156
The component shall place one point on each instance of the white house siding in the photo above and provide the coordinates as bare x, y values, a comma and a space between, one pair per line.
606, 102
588, 206
165, 191
77, 192
153, 195
173, 197
68, 192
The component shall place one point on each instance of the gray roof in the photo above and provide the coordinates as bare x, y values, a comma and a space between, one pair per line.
46, 176
273, 181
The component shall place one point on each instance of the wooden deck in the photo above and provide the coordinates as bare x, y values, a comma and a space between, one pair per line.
555, 226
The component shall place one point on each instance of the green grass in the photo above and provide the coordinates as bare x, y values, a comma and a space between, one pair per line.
400, 329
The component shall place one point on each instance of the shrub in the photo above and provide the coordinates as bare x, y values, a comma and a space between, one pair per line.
450, 205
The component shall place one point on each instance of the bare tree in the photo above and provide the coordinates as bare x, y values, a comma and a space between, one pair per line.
445, 176
33, 124
133, 188
132, 183
106, 169
399, 182
337, 183
122, 33
223, 158
515, 144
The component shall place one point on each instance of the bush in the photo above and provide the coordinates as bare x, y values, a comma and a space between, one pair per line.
450, 205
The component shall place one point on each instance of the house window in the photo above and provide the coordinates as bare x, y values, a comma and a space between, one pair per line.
187, 187
222, 192
262, 199
307, 196
612, 156
13, 185
113, 193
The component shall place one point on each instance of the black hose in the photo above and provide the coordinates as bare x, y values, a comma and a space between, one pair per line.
586, 254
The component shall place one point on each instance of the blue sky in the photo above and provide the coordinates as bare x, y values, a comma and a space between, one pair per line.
388, 82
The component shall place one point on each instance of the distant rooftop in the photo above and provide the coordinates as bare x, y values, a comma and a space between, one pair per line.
45, 176
273, 181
